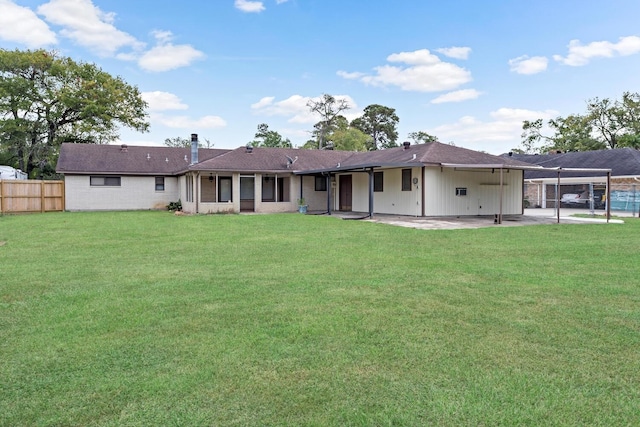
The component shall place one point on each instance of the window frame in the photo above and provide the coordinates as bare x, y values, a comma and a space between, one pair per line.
378, 182
320, 183
222, 179
406, 180
105, 181
159, 183
461, 191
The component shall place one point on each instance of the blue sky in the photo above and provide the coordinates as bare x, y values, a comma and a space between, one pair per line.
466, 71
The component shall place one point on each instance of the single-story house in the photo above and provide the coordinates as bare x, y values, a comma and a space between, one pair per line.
430, 179
584, 175
121, 177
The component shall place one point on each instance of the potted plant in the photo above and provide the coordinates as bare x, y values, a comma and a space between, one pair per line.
302, 206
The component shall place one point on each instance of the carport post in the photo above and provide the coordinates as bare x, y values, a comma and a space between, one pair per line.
328, 193
608, 196
501, 191
558, 198
371, 193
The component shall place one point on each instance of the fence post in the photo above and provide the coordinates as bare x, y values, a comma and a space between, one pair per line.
42, 199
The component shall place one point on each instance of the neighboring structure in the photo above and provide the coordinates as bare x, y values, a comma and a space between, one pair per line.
431, 179
7, 172
581, 189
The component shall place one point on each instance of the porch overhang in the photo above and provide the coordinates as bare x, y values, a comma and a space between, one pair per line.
357, 168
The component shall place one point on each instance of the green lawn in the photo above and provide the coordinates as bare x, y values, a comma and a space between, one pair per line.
149, 319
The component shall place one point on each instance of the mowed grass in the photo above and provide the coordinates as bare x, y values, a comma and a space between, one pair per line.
147, 319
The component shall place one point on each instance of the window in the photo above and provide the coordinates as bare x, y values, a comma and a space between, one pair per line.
189, 188
159, 183
104, 181
208, 189
283, 189
406, 179
268, 188
321, 183
461, 191
378, 179
224, 191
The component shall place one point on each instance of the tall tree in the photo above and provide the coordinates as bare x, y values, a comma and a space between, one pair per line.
606, 124
269, 138
178, 141
329, 109
380, 123
46, 100
421, 137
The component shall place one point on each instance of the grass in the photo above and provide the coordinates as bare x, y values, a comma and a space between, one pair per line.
145, 318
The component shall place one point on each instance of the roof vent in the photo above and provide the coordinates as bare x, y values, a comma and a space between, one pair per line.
290, 161
148, 156
406, 145
124, 148
249, 149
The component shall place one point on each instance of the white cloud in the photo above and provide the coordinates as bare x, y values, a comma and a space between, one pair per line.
184, 122
505, 125
263, 103
455, 52
88, 26
249, 6
526, 65
20, 24
457, 96
167, 56
162, 101
295, 107
350, 76
281, 1
580, 54
425, 73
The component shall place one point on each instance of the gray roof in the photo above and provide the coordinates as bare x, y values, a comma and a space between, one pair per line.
131, 160
273, 160
137, 160
621, 161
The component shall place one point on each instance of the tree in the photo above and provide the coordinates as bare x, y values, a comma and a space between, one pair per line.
572, 133
269, 138
350, 139
178, 141
46, 100
380, 123
607, 119
606, 124
421, 137
329, 109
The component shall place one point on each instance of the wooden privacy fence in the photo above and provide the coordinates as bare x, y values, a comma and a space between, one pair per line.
17, 196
